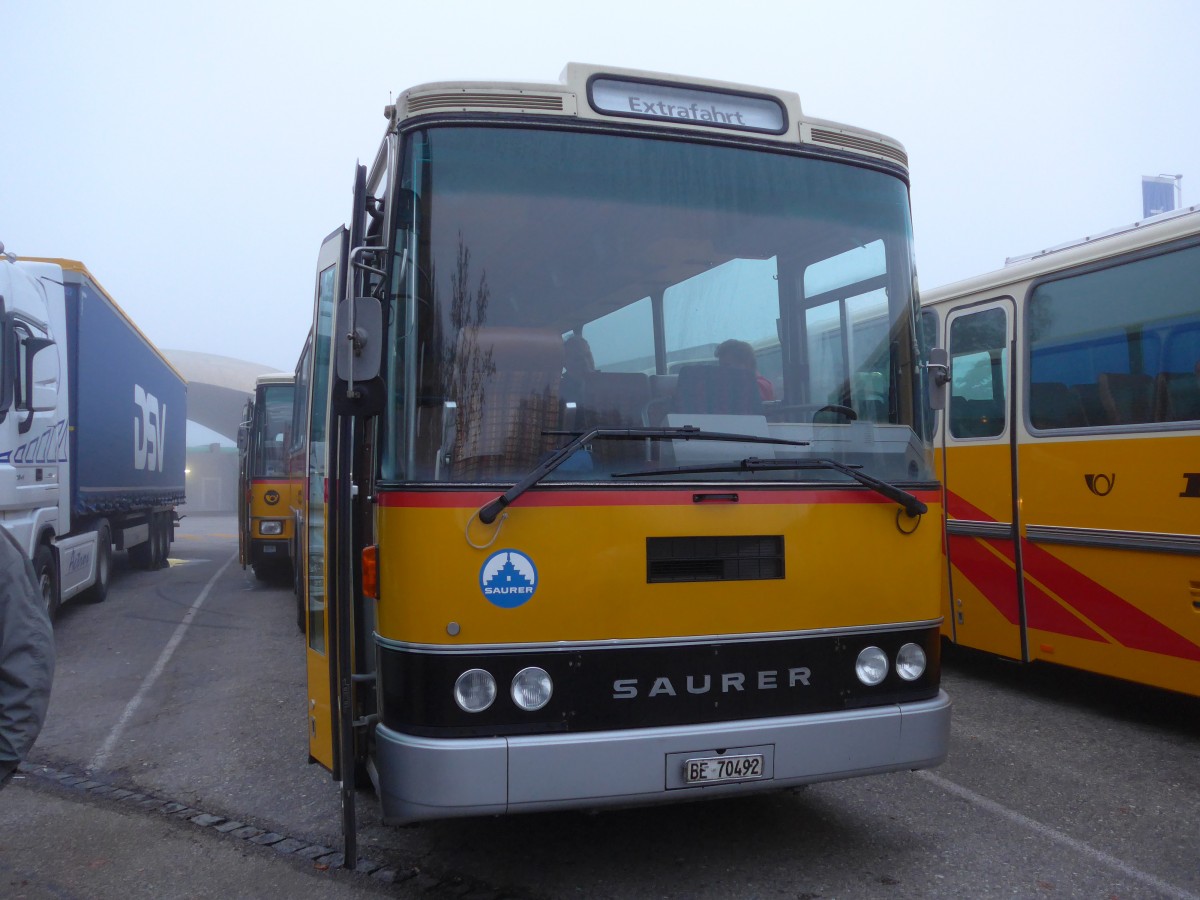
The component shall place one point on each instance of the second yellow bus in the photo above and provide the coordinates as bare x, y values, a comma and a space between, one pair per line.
1071, 454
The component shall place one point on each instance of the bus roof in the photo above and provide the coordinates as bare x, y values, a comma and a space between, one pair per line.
268, 378
605, 93
1123, 229
1158, 229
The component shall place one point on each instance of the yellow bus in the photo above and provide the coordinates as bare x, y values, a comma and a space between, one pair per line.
1071, 453
575, 552
265, 489
305, 456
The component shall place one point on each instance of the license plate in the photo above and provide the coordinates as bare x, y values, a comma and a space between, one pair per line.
710, 769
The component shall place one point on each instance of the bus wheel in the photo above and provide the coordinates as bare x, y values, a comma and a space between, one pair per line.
297, 573
98, 591
47, 576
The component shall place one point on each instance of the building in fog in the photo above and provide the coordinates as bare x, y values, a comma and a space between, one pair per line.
218, 388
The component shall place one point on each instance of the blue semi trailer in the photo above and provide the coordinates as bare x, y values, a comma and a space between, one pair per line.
92, 430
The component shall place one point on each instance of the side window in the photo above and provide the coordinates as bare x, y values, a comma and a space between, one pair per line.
1177, 395
738, 299
979, 374
848, 347
623, 340
1117, 347
927, 337
300, 403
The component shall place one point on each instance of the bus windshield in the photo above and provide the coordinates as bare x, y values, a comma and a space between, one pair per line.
555, 281
273, 418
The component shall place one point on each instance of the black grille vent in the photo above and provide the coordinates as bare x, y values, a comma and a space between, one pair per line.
743, 558
483, 100
854, 142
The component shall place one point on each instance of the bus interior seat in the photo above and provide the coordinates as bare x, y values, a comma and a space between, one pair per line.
976, 418
1053, 404
719, 390
508, 381
1089, 398
1128, 399
1177, 397
614, 400
662, 395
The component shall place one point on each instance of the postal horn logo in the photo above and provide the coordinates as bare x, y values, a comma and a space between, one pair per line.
272, 497
508, 579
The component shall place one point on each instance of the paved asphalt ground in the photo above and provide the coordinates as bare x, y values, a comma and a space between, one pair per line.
61, 842
173, 764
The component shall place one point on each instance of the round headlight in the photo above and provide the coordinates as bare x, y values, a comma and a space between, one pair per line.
531, 688
474, 691
871, 667
910, 662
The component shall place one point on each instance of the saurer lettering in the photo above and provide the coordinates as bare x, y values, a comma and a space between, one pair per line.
726, 682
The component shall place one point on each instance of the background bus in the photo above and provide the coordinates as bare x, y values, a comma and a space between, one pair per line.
633, 580
265, 489
1070, 447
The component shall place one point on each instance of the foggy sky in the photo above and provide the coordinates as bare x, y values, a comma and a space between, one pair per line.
193, 155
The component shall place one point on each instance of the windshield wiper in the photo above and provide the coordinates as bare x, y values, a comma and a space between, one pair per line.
488, 513
911, 504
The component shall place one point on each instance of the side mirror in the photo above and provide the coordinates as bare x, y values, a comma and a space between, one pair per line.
937, 371
7, 366
359, 339
41, 375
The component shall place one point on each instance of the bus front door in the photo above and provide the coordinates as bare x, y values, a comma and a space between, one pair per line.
316, 586
986, 602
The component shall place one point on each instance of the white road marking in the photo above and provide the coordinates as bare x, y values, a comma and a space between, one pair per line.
102, 755
1058, 837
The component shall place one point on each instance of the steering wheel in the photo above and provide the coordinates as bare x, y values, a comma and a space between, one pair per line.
845, 411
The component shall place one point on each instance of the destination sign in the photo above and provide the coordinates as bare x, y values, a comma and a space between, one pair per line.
696, 106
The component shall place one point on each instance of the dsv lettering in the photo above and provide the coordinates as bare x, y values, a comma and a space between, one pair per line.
149, 429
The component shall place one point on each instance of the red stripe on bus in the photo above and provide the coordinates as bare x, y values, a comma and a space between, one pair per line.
997, 582
990, 574
551, 499
958, 508
1128, 625
1047, 613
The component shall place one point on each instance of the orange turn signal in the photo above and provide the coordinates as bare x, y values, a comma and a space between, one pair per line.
370, 571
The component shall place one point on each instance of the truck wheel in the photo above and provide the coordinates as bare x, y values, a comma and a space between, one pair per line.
166, 538
47, 576
99, 591
162, 541
142, 555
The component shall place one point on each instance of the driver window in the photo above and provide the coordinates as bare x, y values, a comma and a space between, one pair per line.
847, 344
